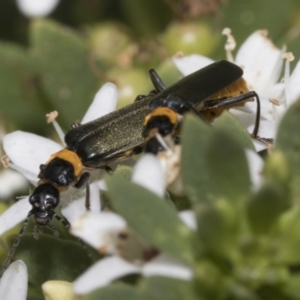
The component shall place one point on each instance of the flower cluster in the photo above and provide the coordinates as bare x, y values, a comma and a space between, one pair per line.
262, 64
124, 250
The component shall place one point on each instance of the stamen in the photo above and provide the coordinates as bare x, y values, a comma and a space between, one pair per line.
50, 118
7, 164
275, 111
162, 141
230, 44
5, 161
288, 56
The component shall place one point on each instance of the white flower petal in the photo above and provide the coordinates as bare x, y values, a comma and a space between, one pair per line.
13, 284
245, 118
191, 63
267, 129
95, 201
188, 218
101, 185
102, 273
149, 174
72, 209
99, 229
163, 265
277, 92
261, 62
294, 84
105, 101
14, 215
28, 150
256, 164
267, 112
36, 8
11, 182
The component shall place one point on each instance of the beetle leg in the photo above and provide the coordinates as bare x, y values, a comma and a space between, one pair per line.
157, 81
108, 169
230, 102
190, 107
87, 196
139, 98
84, 180
75, 125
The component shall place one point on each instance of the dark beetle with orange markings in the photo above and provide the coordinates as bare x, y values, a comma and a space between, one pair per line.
133, 128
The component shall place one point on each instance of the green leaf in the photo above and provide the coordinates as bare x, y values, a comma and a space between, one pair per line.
140, 15
20, 101
288, 139
116, 291
278, 169
168, 288
123, 171
214, 229
227, 166
151, 217
289, 225
209, 281
61, 57
239, 291
265, 207
244, 17
292, 287
51, 258
195, 134
229, 123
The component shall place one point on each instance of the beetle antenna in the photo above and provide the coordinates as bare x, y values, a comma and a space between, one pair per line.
63, 221
15, 244
53, 229
66, 223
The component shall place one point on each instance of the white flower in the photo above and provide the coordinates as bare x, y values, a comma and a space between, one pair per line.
28, 151
13, 284
36, 8
262, 64
109, 234
255, 165
11, 182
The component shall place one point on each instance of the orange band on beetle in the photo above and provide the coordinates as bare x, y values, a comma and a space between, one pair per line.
162, 111
71, 157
